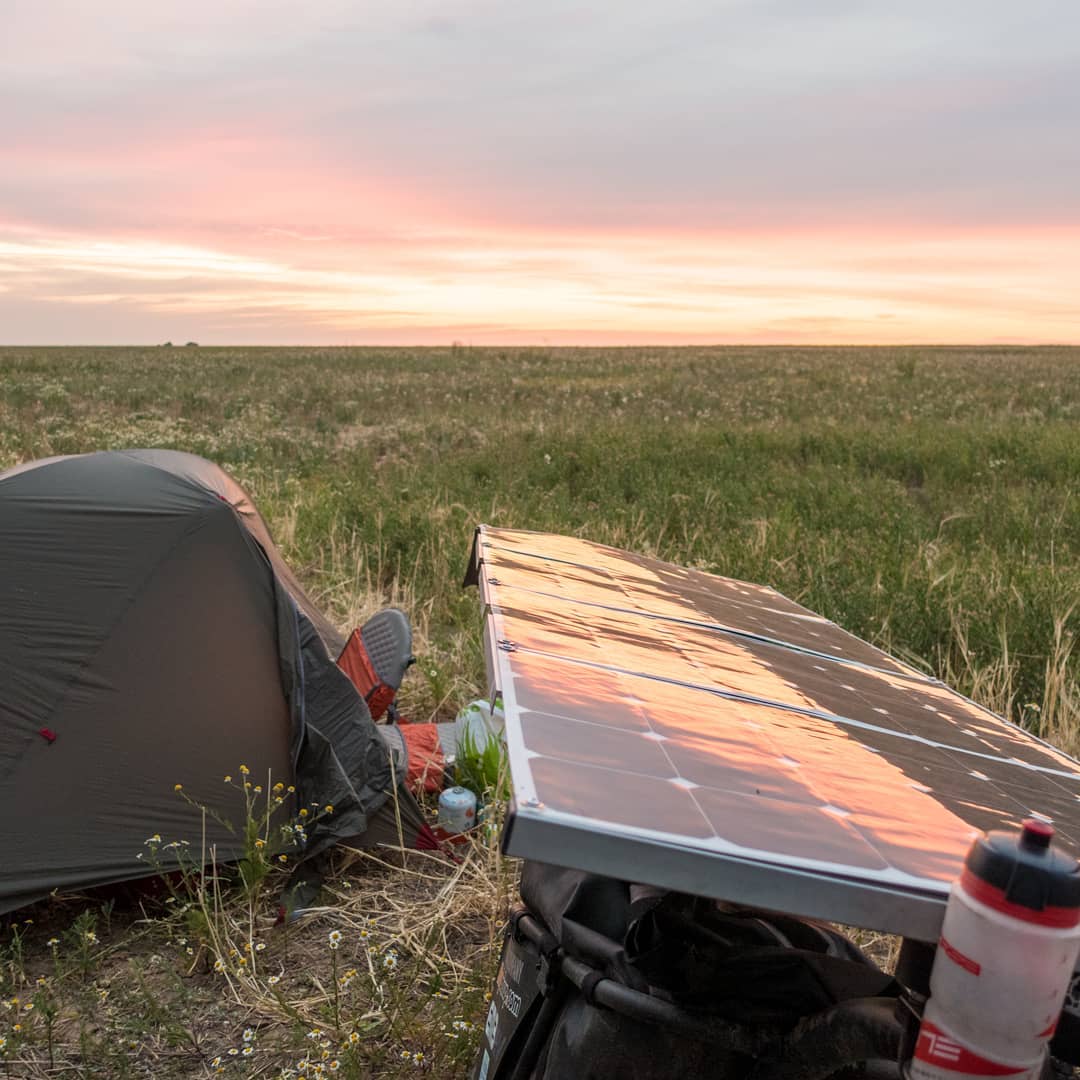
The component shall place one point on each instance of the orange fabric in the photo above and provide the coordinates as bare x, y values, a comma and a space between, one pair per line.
426, 762
356, 663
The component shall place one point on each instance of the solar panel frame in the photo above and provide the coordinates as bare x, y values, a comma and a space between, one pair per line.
884, 899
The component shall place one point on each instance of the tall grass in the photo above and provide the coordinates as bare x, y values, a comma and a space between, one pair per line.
923, 498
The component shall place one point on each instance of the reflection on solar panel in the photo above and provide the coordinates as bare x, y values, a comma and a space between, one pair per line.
672, 727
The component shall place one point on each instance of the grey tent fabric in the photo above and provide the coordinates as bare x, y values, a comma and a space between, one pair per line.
151, 635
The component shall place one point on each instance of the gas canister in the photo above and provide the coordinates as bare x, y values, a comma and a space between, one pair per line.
1006, 954
457, 810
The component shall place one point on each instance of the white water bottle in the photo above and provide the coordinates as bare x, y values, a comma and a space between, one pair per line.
1003, 964
481, 721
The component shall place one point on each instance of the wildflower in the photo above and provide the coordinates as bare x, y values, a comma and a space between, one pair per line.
303, 812
290, 789
334, 1065
90, 937
228, 779
16, 1028
102, 993
233, 1051
329, 808
28, 1007
274, 980
42, 981
258, 789
155, 839
248, 1051
3, 1042
314, 1034
219, 966
248, 1036
335, 938
390, 961
364, 935
243, 961
405, 1055
260, 843
178, 787
279, 787
418, 1058
261, 945
216, 1062
53, 942
247, 785
244, 770
353, 1038
283, 858
247, 946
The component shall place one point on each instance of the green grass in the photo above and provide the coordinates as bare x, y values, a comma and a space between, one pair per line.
925, 499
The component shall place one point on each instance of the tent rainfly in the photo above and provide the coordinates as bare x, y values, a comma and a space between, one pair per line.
152, 636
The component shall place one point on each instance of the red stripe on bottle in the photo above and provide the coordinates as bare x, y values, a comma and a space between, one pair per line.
957, 957
938, 1048
994, 898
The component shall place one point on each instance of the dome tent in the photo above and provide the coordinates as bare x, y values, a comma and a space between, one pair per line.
151, 635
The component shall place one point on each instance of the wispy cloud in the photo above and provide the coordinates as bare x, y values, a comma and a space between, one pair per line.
536, 286
732, 170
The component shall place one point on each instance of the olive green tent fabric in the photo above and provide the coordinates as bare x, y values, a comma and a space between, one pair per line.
150, 636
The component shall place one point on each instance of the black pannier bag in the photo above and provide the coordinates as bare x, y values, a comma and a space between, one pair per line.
603, 979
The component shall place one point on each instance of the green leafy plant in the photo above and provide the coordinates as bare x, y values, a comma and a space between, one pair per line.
480, 764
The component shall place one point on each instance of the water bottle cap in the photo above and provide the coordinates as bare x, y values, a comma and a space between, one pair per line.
1022, 876
1037, 834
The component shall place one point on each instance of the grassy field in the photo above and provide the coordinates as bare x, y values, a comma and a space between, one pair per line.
925, 499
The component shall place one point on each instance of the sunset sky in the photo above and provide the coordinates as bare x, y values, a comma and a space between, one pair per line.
262, 171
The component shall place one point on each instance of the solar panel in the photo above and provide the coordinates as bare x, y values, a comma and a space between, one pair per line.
680, 729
